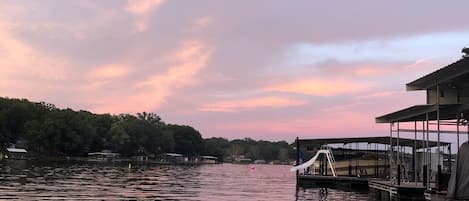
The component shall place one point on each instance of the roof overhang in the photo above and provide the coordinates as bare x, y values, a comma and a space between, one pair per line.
173, 155
209, 157
419, 113
376, 140
448, 74
16, 150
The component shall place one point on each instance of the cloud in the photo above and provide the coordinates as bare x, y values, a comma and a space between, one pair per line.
252, 103
151, 93
142, 9
204, 21
383, 50
380, 95
321, 87
268, 67
306, 126
23, 66
111, 71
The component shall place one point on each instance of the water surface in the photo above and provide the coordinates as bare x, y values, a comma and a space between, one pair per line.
27, 180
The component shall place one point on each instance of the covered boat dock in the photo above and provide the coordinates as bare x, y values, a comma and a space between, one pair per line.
361, 159
417, 131
445, 113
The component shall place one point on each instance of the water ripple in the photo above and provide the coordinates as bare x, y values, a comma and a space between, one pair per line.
26, 180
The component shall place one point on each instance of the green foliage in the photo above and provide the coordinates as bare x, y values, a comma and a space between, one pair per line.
188, 141
44, 129
249, 148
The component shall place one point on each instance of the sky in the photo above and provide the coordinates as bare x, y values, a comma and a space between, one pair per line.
263, 69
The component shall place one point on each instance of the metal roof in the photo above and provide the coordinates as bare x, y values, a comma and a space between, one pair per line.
103, 154
448, 74
173, 155
377, 140
418, 113
209, 157
16, 150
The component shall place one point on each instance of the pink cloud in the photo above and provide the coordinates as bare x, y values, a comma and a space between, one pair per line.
371, 71
380, 94
262, 102
203, 21
343, 124
151, 93
45, 56
25, 70
111, 71
321, 87
141, 9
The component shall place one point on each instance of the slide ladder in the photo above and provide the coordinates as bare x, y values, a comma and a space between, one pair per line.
323, 150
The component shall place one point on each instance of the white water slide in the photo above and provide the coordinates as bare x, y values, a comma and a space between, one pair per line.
330, 161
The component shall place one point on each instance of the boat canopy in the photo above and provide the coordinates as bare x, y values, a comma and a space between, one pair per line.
16, 150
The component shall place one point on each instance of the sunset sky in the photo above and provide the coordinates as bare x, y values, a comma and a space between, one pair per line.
268, 69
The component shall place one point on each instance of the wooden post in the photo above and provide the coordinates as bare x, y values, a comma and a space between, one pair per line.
414, 152
428, 156
297, 159
438, 178
391, 158
450, 161
398, 157
457, 133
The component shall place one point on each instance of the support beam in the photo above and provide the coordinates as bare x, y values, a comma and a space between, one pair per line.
430, 131
423, 152
397, 145
427, 179
391, 158
297, 159
457, 134
450, 159
438, 178
414, 152
398, 158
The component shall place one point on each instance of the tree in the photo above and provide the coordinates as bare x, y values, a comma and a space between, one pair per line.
217, 147
118, 134
188, 141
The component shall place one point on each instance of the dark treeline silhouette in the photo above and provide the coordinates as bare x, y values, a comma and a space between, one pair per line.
47, 130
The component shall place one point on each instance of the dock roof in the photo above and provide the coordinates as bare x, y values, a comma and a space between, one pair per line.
456, 73
377, 140
16, 150
418, 113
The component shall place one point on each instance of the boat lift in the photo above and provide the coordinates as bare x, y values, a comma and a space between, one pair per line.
323, 150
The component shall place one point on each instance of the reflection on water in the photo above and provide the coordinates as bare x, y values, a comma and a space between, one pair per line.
325, 194
26, 180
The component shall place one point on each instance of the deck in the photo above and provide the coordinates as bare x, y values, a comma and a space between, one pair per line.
406, 191
358, 183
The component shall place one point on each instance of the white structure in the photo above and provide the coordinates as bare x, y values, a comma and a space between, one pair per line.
16, 150
330, 160
14, 153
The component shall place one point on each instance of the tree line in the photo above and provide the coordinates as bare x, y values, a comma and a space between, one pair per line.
47, 130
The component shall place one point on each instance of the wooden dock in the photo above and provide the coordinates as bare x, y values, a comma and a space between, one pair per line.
356, 183
392, 188
405, 191
379, 189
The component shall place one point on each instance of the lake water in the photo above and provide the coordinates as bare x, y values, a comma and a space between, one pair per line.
26, 180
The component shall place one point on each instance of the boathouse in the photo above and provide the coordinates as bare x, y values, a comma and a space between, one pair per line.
444, 114
105, 155
357, 160
15, 153
415, 137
